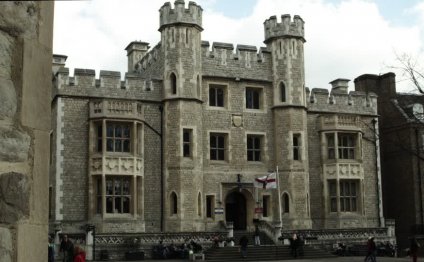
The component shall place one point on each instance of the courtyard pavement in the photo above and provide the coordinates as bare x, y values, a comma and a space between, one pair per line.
335, 259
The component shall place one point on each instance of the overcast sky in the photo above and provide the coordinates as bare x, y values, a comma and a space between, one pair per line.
344, 38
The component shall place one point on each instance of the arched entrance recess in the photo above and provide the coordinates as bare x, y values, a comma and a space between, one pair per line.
235, 210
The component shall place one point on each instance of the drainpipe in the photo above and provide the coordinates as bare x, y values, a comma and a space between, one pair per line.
378, 169
417, 145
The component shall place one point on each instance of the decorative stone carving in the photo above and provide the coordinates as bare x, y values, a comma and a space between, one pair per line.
237, 120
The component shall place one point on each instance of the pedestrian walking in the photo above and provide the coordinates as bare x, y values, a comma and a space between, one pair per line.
67, 249
243, 246
371, 250
257, 238
413, 249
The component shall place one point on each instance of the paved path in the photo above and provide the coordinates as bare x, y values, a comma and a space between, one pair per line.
335, 259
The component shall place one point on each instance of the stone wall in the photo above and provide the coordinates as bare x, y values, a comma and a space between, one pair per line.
26, 30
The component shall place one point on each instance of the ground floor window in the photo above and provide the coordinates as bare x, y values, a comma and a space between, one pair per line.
117, 194
343, 196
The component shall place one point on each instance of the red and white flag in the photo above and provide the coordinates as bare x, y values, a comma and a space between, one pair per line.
266, 182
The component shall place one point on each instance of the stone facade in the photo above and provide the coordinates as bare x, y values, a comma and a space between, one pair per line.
26, 30
202, 124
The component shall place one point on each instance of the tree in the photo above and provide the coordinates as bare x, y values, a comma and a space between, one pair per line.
411, 70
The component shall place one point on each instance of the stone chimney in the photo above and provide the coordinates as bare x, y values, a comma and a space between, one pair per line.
58, 62
136, 50
340, 85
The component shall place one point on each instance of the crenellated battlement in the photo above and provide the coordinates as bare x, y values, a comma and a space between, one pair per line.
355, 102
180, 15
287, 27
225, 52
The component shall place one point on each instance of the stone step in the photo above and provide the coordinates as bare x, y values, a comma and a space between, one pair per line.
267, 252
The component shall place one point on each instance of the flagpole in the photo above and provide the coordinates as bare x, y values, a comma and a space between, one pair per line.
279, 198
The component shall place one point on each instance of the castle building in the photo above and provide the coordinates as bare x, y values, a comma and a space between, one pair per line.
402, 139
177, 145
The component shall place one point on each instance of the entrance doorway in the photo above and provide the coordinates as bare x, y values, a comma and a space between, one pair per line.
235, 210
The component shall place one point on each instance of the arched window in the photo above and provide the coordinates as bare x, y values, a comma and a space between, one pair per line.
174, 203
283, 92
173, 80
199, 204
286, 203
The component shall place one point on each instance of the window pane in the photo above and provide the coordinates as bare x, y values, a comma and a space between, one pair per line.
109, 187
186, 136
220, 141
126, 204
109, 130
212, 97
109, 145
257, 143
221, 155
118, 205
118, 146
214, 154
333, 205
250, 155
126, 187
220, 97
127, 131
213, 141
126, 147
109, 204
118, 188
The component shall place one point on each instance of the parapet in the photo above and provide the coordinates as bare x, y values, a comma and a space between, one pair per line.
287, 27
180, 15
241, 52
354, 102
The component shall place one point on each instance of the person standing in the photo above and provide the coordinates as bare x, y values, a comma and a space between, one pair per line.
79, 254
371, 249
243, 246
67, 248
414, 249
257, 238
294, 244
51, 250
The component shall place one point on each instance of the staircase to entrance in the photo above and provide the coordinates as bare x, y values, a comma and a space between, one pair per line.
266, 251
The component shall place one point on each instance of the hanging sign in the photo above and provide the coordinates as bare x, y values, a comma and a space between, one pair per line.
219, 210
258, 210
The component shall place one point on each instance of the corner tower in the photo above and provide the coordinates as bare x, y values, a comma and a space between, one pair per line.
285, 41
180, 29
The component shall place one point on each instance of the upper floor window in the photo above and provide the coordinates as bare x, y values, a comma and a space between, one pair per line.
297, 147
210, 206
343, 196
346, 145
217, 146
286, 203
253, 98
118, 137
187, 142
253, 148
283, 92
173, 80
174, 204
216, 95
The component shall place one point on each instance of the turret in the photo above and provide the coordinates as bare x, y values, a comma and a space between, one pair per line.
180, 29
58, 62
179, 15
181, 41
285, 40
135, 52
286, 28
